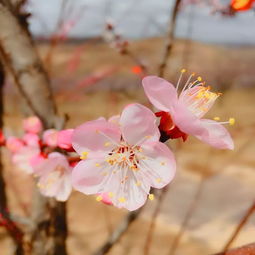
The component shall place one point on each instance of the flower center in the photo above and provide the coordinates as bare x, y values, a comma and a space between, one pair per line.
125, 156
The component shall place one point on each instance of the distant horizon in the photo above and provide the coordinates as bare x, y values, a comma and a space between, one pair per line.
136, 20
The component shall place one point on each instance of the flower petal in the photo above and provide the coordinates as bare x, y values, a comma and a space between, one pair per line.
138, 123
158, 166
215, 134
160, 92
96, 135
91, 176
185, 120
131, 196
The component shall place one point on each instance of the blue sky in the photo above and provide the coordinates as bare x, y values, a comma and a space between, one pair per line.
144, 18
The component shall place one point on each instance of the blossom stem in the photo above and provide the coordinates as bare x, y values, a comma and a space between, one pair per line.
239, 227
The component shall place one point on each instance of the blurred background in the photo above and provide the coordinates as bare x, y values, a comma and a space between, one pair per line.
96, 52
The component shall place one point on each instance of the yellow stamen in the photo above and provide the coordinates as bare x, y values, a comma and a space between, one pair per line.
216, 118
122, 199
231, 121
107, 144
110, 194
84, 155
183, 70
97, 164
99, 198
199, 78
158, 180
151, 196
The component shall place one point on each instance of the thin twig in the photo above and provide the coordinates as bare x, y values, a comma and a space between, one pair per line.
248, 249
240, 226
170, 38
149, 237
118, 232
188, 216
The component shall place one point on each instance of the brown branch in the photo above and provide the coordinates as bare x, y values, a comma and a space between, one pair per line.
149, 237
5, 220
188, 215
24, 64
49, 217
118, 232
169, 39
248, 249
240, 226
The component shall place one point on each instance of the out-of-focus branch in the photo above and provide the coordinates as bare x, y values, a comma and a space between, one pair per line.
170, 38
49, 217
25, 66
5, 219
239, 227
149, 237
118, 232
248, 249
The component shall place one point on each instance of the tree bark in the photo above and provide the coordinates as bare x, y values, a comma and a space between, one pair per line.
49, 233
11, 227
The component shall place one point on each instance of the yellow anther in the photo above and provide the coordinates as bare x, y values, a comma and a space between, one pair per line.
148, 136
138, 183
122, 199
158, 180
84, 155
97, 164
183, 70
216, 118
199, 78
99, 198
110, 194
151, 196
162, 163
193, 74
231, 121
107, 144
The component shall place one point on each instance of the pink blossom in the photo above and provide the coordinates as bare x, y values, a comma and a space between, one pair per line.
31, 139
50, 137
32, 125
14, 144
23, 158
186, 110
64, 139
54, 177
123, 160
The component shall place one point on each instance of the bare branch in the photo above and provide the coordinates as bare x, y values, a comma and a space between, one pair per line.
248, 249
241, 224
49, 230
5, 220
118, 232
169, 39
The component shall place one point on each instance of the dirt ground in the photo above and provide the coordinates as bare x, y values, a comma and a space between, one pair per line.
227, 177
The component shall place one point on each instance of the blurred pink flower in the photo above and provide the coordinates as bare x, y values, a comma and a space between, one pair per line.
185, 111
50, 137
64, 139
32, 125
123, 160
23, 158
14, 144
54, 177
31, 139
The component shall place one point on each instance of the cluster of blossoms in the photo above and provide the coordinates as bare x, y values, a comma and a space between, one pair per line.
120, 159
